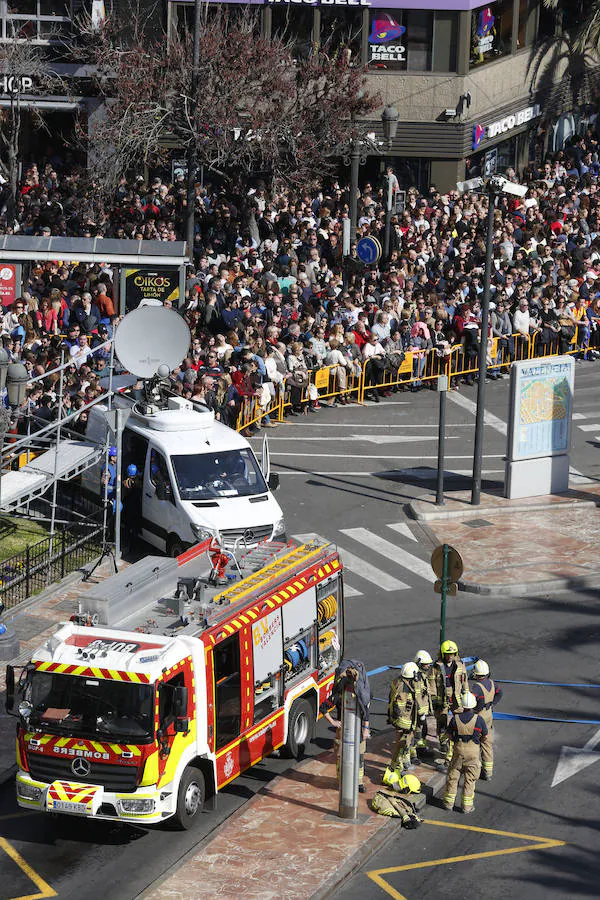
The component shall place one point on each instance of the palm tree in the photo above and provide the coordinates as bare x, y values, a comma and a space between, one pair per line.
582, 16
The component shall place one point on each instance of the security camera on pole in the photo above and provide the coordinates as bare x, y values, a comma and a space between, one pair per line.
493, 187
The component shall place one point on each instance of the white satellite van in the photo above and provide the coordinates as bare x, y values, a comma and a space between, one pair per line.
200, 478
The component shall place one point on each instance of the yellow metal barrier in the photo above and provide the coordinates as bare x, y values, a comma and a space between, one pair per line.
418, 366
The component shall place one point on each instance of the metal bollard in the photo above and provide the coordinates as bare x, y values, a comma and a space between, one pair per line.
349, 755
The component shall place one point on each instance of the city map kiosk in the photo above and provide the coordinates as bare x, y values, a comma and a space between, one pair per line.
539, 435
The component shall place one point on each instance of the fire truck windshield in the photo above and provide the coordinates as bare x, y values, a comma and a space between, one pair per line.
94, 708
204, 476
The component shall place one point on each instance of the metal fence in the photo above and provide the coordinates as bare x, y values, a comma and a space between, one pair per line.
418, 368
48, 561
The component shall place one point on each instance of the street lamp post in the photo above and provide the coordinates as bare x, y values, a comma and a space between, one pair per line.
356, 155
494, 186
192, 153
389, 118
483, 344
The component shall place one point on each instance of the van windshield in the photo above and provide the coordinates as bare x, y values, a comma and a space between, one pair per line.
203, 476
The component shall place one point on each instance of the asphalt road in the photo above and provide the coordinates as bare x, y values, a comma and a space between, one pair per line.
348, 473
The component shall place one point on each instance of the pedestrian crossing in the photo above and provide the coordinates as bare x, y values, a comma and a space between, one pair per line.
363, 552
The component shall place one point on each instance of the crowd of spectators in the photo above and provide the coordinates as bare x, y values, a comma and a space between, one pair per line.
270, 297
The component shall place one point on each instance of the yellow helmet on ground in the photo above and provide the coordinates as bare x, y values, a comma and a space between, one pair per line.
448, 647
409, 784
391, 777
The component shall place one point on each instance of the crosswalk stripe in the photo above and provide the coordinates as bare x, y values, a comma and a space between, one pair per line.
391, 551
349, 591
361, 568
589, 427
579, 416
371, 573
404, 529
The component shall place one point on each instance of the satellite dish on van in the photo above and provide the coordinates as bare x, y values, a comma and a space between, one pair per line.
151, 338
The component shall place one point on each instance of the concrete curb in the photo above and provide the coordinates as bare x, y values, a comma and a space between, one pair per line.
470, 512
530, 588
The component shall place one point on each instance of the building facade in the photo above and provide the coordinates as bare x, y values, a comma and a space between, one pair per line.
469, 79
463, 75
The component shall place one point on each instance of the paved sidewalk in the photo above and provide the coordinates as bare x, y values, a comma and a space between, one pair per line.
258, 854
34, 621
538, 544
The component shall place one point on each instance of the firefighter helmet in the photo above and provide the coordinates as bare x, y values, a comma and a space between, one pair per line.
391, 777
468, 700
448, 647
481, 668
423, 658
409, 784
409, 670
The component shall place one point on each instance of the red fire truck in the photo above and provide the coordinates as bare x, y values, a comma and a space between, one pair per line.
148, 720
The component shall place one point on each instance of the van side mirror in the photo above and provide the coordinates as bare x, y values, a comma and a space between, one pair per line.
10, 688
273, 481
163, 491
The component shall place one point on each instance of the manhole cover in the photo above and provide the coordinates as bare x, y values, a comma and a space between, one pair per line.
478, 523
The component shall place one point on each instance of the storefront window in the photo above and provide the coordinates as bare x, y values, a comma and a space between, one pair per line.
400, 40
36, 20
234, 14
491, 32
527, 22
296, 26
445, 41
341, 28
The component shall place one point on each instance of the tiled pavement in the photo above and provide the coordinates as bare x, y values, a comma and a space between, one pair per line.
519, 546
256, 853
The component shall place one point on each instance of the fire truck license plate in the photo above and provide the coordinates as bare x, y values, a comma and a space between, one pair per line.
68, 806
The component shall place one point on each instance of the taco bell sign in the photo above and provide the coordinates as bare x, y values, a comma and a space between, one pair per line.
502, 126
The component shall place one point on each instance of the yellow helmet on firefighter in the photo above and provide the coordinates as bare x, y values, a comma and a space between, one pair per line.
448, 647
481, 668
409, 670
423, 658
409, 784
468, 700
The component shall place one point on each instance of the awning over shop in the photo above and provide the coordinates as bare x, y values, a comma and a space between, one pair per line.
20, 248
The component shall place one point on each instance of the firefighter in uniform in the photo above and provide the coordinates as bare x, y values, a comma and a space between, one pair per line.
350, 673
487, 694
429, 690
465, 730
404, 801
406, 706
451, 681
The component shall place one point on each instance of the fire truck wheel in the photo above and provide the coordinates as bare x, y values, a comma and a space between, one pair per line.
301, 727
190, 799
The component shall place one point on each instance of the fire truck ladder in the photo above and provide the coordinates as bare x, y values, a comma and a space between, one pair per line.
276, 571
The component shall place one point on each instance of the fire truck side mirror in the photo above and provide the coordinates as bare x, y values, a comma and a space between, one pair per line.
273, 481
10, 688
180, 702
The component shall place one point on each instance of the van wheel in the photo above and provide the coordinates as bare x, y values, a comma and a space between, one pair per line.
175, 547
301, 726
190, 799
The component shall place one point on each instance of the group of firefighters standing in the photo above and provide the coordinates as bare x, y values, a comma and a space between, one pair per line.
463, 713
